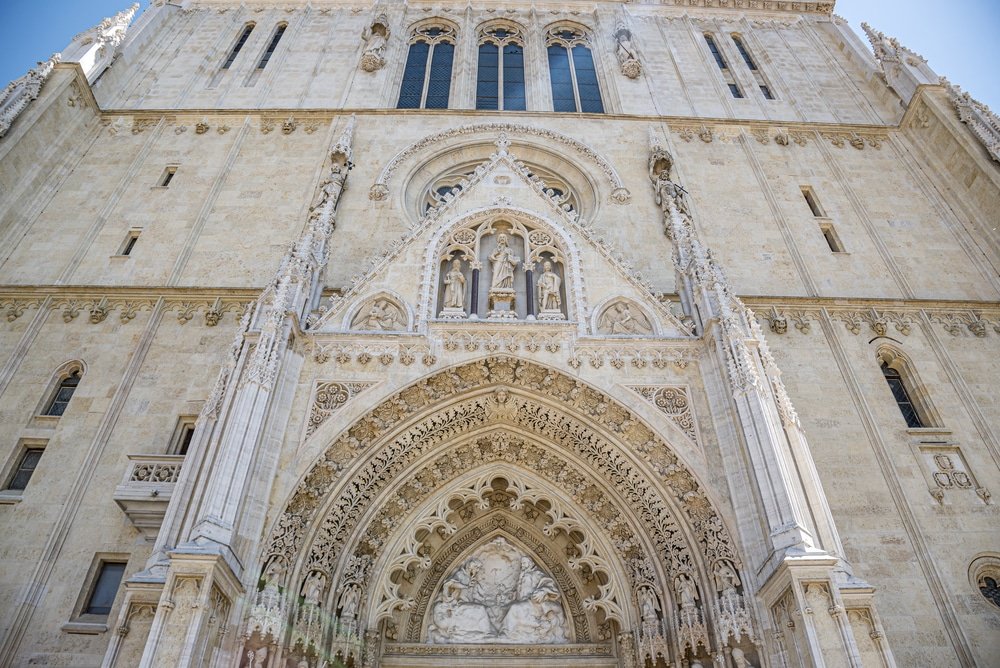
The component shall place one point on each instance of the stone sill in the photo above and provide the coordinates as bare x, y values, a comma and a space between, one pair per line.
85, 628
925, 432
11, 496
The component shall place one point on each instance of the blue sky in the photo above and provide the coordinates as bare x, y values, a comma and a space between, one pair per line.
959, 37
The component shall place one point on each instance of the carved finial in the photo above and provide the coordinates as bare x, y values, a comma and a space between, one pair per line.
661, 161
503, 143
342, 151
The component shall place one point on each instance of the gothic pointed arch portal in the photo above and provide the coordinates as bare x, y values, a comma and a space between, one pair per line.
619, 547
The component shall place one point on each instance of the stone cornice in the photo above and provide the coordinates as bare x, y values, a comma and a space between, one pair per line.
779, 6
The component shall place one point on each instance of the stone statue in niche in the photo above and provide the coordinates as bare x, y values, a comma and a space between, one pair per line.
454, 292
312, 591
740, 659
618, 319
625, 51
382, 315
503, 262
375, 37
549, 300
349, 602
648, 605
498, 595
687, 591
257, 657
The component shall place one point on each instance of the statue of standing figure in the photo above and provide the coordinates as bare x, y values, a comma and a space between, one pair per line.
549, 299
454, 287
503, 262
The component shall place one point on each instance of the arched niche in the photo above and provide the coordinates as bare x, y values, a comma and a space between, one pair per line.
513, 266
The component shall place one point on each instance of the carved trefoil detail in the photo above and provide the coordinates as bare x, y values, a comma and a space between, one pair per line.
328, 398
674, 402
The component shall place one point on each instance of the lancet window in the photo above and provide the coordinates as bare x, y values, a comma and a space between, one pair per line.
428, 87
720, 60
572, 72
271, 46
765, 88
238, 46
502, 270
500, 76
911, 399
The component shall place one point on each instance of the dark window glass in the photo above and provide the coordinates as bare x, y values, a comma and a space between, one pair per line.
439, 85
586, 80
901, 396
735, 90
168, 176
713, 47
238, 46
563, 98
513, 78
271, 47
743, 52
130, 244
766, 92
488, 82
25, 469
991, 591
63, 394
102, 597
412, 88
185, 439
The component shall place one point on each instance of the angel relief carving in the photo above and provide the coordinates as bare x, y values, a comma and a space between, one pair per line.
381, 314
621, 318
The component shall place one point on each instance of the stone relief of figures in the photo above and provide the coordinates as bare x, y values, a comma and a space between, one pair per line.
498, 595
625, 50
380, 315
621, 319
376, 36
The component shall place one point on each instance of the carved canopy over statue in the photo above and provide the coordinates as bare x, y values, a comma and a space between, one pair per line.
502, 270
498, 595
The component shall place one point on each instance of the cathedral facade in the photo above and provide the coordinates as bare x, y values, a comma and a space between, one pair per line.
523, 333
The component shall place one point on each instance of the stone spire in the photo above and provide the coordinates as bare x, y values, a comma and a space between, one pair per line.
904, 70
982, 122
15, 98
95, 48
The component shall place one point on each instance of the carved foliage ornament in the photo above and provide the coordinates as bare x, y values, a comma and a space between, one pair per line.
329, 397
287, 536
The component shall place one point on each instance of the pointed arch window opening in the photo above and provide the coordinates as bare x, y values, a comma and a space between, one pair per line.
271, 46
63, 394
240, 42
906, 405
426, 87
500, 83
572, 73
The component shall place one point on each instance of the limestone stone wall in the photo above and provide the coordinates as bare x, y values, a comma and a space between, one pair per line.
910, 193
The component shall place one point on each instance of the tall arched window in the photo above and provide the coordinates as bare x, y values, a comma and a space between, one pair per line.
913, 404
235, 51
423, 87
500, 77
272, 45
572, 72
720, 60
765, 88
60, 399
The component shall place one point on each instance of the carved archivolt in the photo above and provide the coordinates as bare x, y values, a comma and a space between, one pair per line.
317, 526
380, 189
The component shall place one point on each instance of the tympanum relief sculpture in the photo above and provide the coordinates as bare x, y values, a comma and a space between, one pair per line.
498, 595
380, 314
620, 318
502, 270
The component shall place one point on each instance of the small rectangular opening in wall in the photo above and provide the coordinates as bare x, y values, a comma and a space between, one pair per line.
129, 243
832, 240
181, 441
766, 91
813, 202
735, 90
168, 176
